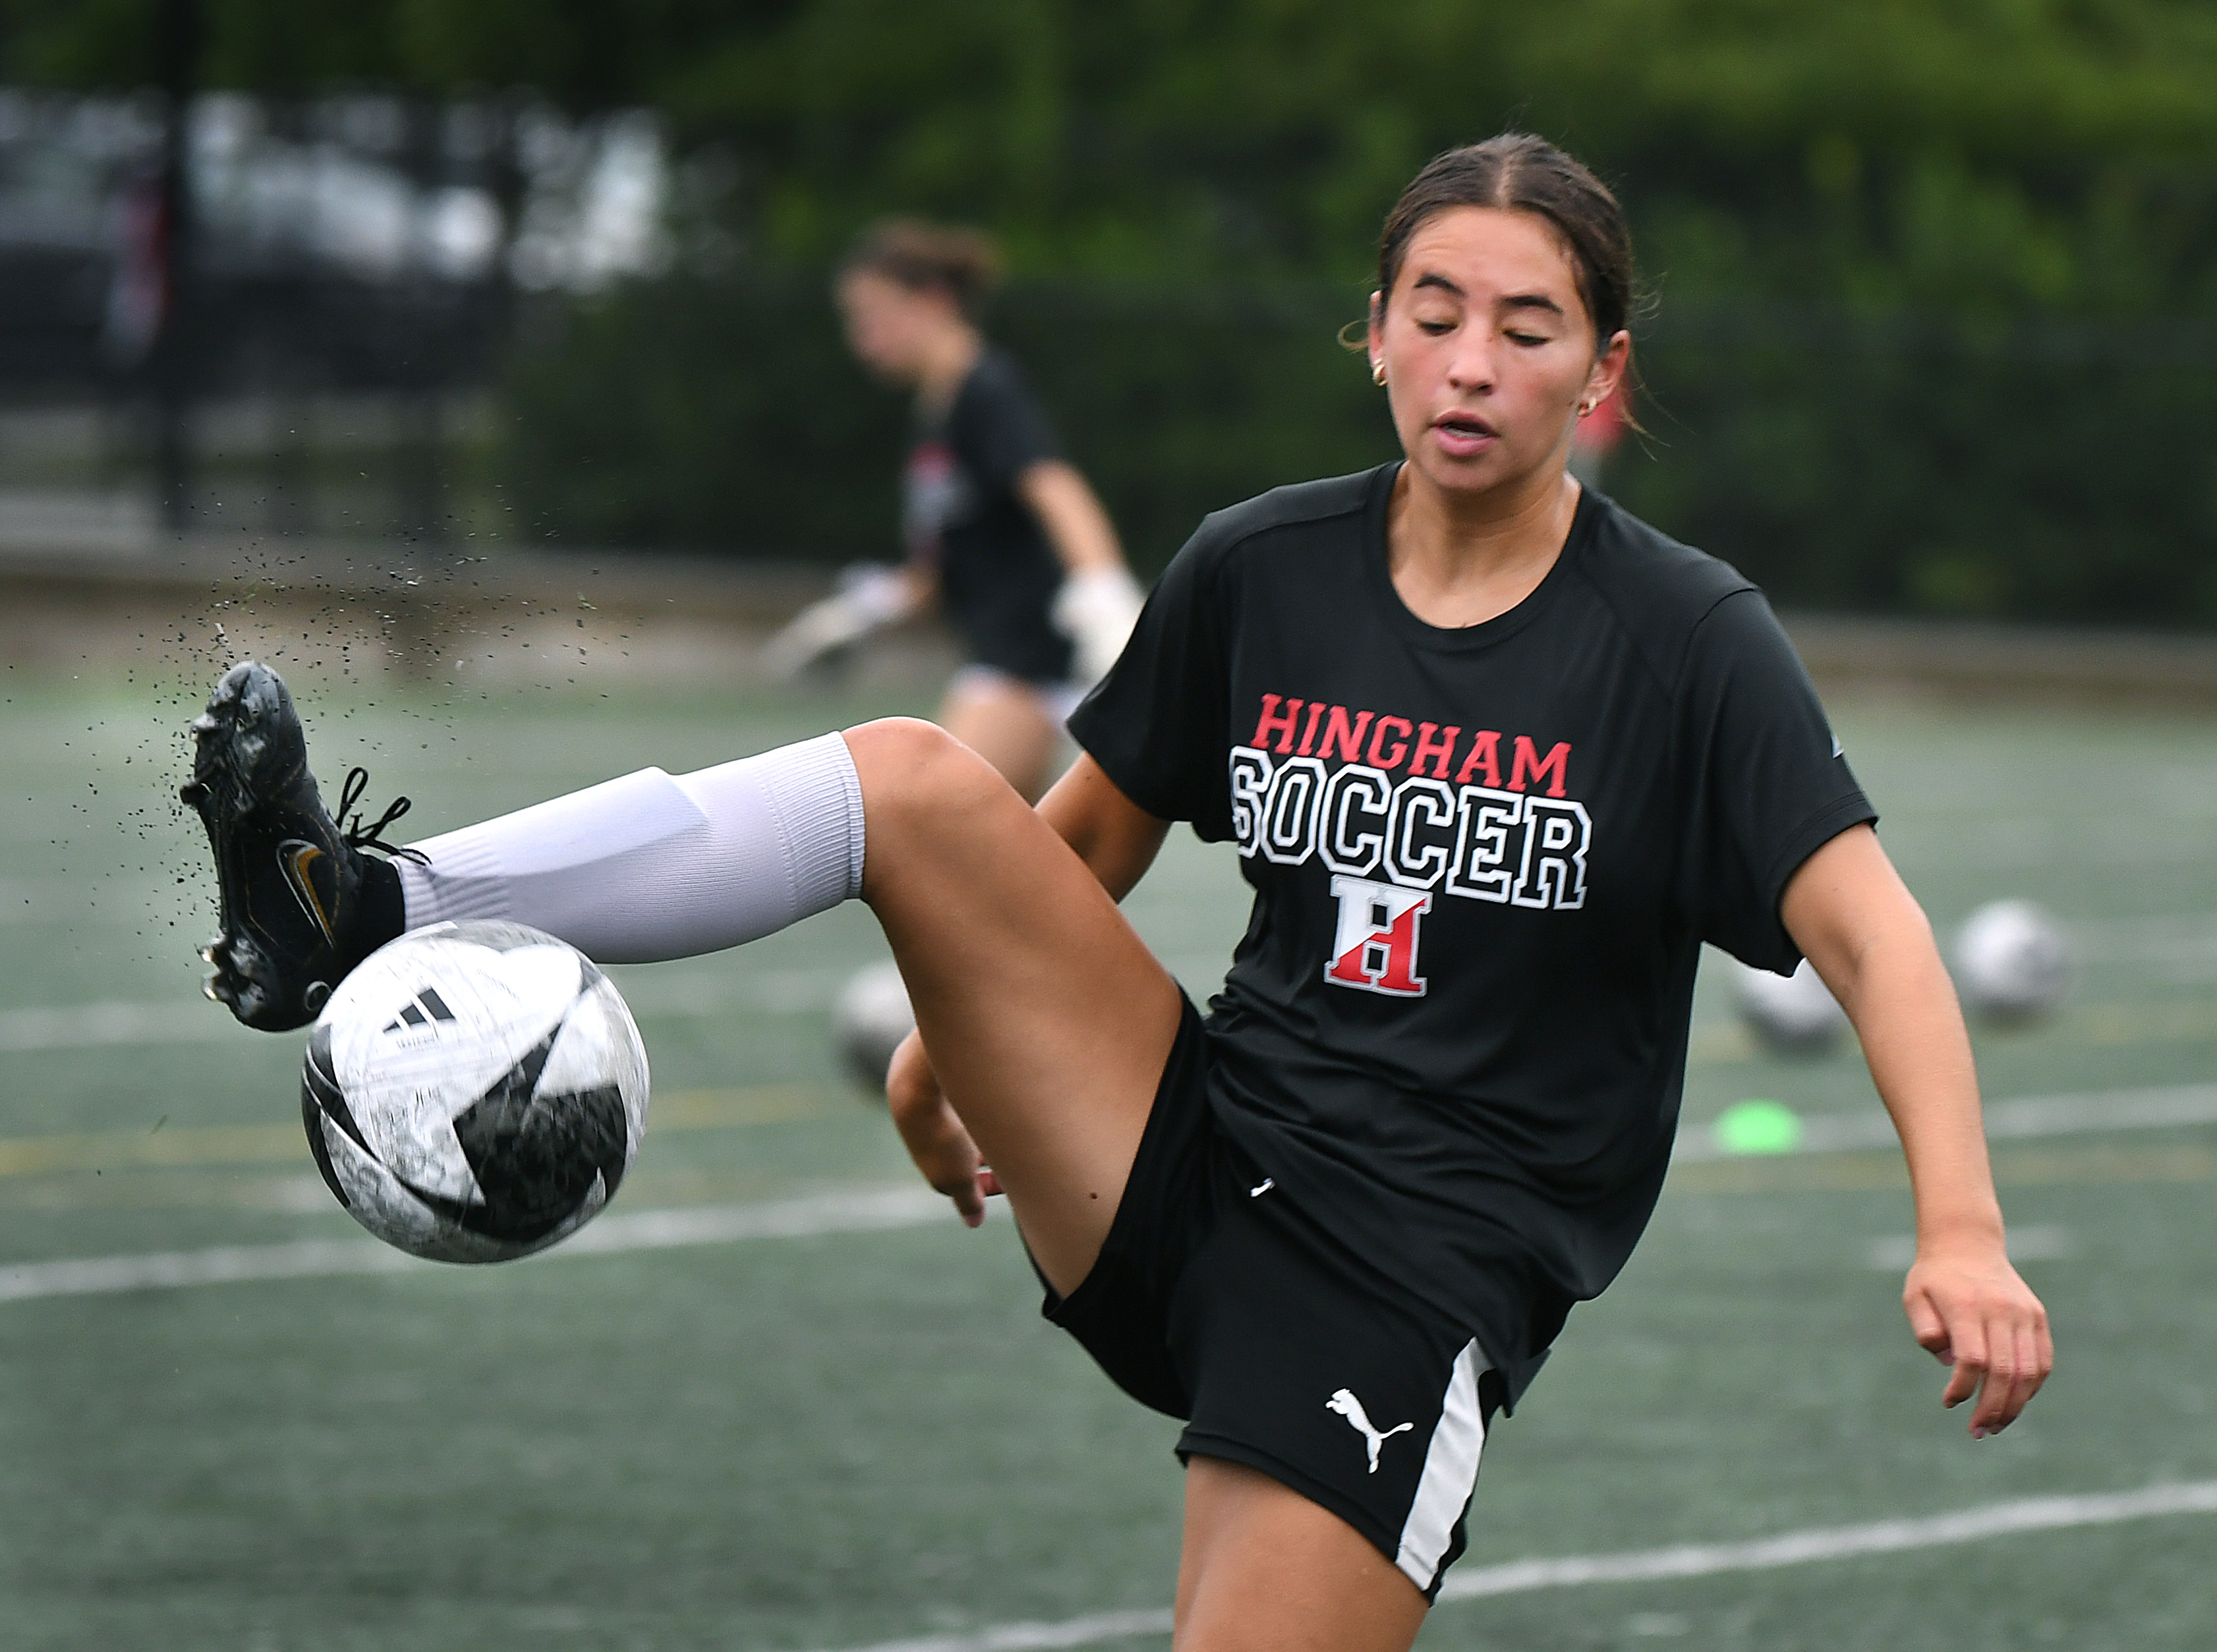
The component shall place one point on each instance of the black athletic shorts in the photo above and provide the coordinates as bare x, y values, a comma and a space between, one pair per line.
1215, 1300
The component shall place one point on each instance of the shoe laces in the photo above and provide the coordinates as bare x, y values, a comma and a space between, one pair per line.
356, 836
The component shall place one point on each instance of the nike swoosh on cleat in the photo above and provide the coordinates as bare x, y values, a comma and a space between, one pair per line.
295, 857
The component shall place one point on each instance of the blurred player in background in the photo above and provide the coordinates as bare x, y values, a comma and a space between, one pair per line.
1001, 529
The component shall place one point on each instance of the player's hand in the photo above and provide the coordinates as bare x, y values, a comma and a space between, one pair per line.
868, 597
1969, 1309
1096, 610
934, 1136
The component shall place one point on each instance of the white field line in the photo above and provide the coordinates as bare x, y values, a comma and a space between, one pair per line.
851, 1211
877, 1209
194, 1020
2167, 1106
173, 1021
2039, 1241
1659, 1565
1023, 1637
1836, 1542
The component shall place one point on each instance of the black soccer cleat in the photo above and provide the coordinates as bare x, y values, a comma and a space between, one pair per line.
302, 902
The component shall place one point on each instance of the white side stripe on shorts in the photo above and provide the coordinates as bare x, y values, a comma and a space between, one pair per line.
1450, 1473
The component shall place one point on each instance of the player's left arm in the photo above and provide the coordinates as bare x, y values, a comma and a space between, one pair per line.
1072, 514
1849, 911
1100, 600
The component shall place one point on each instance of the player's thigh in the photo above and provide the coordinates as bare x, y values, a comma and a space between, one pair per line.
1046, 1018
1264, 1569
1003, 722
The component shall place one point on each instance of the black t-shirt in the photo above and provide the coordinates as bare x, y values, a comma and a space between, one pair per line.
963, 518
1484, 861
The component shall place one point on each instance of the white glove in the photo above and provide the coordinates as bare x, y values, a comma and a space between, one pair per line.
870, 596
1096, 610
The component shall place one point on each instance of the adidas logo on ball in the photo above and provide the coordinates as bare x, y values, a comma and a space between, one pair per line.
426, 1009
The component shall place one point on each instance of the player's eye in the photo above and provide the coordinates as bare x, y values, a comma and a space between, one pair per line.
1526, 339
1434, 327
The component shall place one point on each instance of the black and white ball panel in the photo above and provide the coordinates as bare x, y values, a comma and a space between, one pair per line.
474, 1092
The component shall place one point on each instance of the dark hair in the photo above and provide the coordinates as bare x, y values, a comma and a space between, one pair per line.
1518, 172
960, 262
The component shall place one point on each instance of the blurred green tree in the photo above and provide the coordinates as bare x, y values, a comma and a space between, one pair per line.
1938, 277
1953, 148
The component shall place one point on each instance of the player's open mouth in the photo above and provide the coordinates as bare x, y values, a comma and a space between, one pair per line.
1463, 437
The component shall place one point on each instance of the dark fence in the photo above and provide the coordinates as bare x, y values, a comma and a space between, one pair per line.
284, 315
397, 318
2035, 467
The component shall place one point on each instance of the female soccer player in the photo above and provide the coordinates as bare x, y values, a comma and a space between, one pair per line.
1497, 759
1000, 526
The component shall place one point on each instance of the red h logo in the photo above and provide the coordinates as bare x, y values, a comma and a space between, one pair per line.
1375, 947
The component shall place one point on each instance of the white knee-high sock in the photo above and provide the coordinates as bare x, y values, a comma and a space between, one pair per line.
649, 866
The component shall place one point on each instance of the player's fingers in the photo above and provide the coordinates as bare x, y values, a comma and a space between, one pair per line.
1968, 1364
969, 1203
948, 1161
1963, 1383
2016, 1330
2031, 1368
2024, 1376
1926, 1324
1997, 1404
988, 1183
936, 1139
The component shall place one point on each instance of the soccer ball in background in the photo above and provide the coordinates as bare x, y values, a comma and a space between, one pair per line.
869, 1022
2014, 965
474, 1092
1793, 1015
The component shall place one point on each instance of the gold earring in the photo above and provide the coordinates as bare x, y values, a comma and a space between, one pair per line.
1585, 409
1377, 372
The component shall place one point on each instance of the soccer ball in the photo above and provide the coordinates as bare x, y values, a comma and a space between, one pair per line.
1793, 1015
2013, 963
869, 1022
474, 1092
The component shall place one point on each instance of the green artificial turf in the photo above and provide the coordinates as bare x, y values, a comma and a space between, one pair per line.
831, 1442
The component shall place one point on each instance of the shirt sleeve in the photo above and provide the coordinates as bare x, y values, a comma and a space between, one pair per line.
999, 430
1774, 784
1156, 723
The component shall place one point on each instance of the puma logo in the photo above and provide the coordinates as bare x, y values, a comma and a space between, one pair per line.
1348, 1405
294, 857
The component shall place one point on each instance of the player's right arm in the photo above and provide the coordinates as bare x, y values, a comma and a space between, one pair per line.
1118, 841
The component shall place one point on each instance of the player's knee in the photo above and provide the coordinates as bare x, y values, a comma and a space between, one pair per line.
911, 767
899, 755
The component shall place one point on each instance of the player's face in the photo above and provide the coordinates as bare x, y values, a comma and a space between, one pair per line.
1488, 350
890, 327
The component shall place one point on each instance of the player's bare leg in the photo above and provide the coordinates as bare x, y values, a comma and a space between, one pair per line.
1264, 1569
1003, 722
1047, 1021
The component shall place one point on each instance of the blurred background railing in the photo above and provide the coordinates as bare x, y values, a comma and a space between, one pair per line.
330, 339
1937, 329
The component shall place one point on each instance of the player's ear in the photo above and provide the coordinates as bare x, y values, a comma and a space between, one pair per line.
1609, 368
